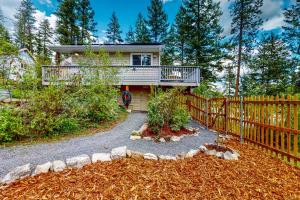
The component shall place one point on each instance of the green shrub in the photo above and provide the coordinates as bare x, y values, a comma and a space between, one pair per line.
11, 125
180, 118
164, 108
155, 117
64, 124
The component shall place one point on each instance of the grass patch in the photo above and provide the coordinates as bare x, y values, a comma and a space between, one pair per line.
103, 126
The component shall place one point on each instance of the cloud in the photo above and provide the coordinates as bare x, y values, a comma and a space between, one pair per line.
272, 14
46, 2
9, 8
225, 19
166, 1
41, 15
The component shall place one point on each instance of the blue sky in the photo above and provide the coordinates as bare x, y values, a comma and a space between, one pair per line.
127, 11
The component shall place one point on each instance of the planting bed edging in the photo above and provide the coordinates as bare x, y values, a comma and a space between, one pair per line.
136, 135
23, 171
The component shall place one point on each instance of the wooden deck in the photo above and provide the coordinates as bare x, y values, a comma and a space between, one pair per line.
128, 75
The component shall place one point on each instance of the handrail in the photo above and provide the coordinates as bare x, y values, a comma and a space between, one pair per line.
166, 75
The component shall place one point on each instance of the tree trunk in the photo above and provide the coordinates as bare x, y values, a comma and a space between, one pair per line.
237, 83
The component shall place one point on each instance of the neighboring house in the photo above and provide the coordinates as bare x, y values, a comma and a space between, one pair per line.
14, 66
138, 64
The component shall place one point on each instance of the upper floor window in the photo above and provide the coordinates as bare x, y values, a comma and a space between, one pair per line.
142, 59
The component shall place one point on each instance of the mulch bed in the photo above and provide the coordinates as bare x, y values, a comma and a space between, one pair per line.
166, 132
254, 176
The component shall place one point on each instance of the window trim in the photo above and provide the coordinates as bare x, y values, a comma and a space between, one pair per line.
151, 60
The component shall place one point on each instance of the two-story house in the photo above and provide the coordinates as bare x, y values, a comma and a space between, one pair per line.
139, 68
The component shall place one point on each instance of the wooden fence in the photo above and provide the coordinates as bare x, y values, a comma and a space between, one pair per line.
272, 123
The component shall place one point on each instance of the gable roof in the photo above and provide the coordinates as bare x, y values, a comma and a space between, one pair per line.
132, 48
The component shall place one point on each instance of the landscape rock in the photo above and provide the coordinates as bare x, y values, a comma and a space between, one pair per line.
119, 152
202, 148
211, 152
175, 139
136, 154
78, 161
135, 133
150, 156
143, 128
147, 138
135, 137
181, 156
16, 174
162, 140
103, 157
219, 154
236, 153
44, 168
58, 166
230, 156
166, 157
191, 153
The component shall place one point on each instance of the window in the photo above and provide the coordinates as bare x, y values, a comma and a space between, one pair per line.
141, 59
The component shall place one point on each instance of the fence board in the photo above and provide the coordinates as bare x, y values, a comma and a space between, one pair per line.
268, 122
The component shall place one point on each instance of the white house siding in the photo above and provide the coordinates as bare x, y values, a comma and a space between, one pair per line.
116, 59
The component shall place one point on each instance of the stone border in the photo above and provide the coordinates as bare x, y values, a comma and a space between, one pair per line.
136, 135
23, 171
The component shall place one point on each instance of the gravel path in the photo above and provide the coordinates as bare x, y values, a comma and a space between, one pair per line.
11, 157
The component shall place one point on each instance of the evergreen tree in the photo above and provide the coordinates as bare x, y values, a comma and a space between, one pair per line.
182, 34
292, 28
169, 52
67, 29
202, 26
271, 68
4, 35
44, 36
113, 32
245, 23
130, 37
141, 31
86, 21
25, 25
158, 21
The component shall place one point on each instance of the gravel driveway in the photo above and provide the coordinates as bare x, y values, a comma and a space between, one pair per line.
11, 157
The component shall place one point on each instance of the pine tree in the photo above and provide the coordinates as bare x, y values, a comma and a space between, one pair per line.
4, 35
204, 30
25, 25
113, 32
181, 30
44, 36
67, 29
292, 28
130, 37
169, 52
158, 21
272, 67
141, 30
86, 21
245, 23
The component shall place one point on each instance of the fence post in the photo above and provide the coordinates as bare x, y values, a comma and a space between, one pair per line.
226, 107
207, 113
241, 120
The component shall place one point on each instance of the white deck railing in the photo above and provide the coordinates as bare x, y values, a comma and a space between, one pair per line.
129, 75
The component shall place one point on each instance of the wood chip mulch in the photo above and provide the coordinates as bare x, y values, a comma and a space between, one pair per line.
255, 176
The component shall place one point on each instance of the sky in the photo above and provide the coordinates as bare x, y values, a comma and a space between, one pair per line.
127, 11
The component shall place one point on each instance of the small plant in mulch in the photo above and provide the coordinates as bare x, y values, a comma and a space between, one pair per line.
166, 116
166, 132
